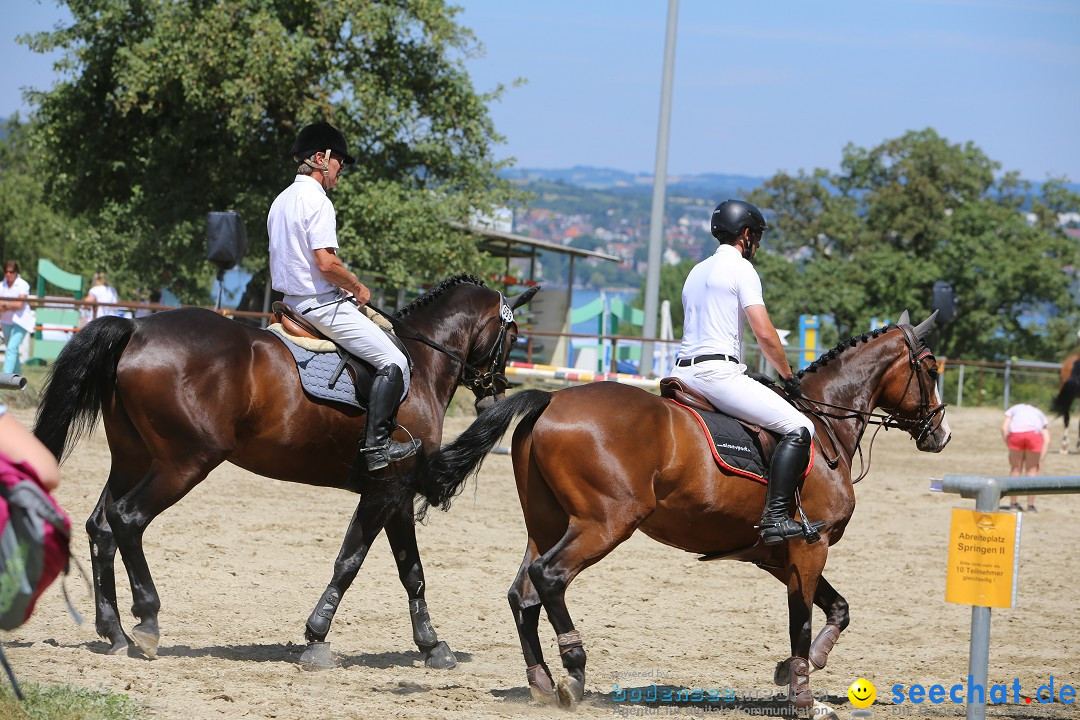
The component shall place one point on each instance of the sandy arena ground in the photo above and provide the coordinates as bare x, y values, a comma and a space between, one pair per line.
241, 561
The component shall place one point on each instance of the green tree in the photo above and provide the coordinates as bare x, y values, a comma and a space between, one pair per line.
872, 240
29, 228
167, 110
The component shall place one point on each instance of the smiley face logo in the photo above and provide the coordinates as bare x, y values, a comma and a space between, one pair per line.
862, 693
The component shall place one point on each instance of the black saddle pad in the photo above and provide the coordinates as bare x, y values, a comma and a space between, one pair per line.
735, 447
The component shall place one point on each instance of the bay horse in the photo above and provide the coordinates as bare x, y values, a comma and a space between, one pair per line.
1068, 390
596, 462
182, 391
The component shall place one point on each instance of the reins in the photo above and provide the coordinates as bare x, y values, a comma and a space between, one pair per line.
491, 382
924, 423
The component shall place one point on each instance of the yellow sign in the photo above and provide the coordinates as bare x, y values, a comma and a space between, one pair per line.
983, 553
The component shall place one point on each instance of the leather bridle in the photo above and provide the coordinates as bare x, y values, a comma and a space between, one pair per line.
928, 420
492, 382
483, 383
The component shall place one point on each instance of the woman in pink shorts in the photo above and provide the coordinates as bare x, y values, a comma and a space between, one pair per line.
1027, 434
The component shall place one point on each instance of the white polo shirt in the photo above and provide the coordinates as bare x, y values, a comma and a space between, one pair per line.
714, 295
300, 221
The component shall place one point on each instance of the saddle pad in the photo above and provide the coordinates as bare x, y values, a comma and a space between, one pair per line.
315, 371
734, 447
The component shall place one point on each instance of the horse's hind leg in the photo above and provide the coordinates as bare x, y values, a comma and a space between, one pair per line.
583, 544
102, 556
129, 517
525, 605
401, 532
1065, 433
836, 620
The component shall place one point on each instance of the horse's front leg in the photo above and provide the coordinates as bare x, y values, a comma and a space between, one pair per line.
364, 527
401, 532
802, 576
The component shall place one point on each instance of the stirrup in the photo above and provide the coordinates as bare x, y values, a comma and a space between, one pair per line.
780, 531
380, 456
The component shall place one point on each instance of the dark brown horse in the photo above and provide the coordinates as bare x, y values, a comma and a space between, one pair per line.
596, 462
183, 391
1068, 391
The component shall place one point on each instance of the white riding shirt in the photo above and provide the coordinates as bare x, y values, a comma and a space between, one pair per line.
714, 297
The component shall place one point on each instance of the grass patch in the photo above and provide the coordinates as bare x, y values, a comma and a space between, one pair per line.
63, 702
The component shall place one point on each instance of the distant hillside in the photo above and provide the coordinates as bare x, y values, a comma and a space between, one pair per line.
709, 186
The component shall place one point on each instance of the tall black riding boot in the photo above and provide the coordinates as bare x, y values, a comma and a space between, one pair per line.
379, 449
788, 462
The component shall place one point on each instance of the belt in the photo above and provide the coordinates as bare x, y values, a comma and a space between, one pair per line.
683, 362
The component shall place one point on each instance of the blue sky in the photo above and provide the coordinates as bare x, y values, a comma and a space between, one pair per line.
759, 86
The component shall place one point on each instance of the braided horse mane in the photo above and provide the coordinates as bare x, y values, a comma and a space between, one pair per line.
824, 359
438, 290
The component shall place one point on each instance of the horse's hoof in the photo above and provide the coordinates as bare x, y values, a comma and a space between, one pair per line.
782, 673
541, 687
545, 698
440, 657
570, 691
118, 647
147, 640
316, 656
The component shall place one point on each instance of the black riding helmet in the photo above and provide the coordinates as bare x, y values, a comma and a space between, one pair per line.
731, 216
319, 137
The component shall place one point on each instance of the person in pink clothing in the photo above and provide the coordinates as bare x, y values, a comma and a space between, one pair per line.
1026, 432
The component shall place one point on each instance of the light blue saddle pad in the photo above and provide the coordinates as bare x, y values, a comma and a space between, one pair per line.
315, 371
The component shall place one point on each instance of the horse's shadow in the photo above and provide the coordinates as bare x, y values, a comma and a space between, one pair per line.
278, 652
673, 700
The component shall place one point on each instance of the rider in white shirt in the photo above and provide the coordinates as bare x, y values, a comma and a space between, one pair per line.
718, 293
16, 316
304, 266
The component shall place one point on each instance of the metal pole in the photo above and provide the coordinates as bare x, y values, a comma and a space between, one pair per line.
979, 654
656, 220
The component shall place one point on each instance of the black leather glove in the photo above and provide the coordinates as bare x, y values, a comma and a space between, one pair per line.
793, 386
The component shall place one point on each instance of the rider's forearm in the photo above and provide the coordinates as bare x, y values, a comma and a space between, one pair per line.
335, 272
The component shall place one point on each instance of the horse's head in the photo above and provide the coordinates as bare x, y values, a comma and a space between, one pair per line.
485, 372
909, 390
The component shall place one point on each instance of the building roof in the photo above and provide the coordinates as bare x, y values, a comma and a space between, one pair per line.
504, 244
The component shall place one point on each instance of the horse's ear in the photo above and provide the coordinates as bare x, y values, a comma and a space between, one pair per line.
519, 300
904, 319
926, 326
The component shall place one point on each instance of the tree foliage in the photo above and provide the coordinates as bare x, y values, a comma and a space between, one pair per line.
167, 110
873, 239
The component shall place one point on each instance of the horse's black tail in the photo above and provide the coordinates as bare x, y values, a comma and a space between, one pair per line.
1070, 390
449, 468
82, 376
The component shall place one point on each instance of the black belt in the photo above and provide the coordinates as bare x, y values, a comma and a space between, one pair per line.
683, 362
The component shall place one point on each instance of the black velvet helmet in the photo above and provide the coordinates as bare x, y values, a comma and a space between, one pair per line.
731, 216
318, 137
